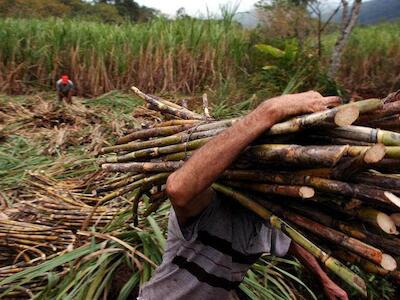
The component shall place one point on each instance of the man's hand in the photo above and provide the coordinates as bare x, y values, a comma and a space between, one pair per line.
333, 291
297, 104
312, 101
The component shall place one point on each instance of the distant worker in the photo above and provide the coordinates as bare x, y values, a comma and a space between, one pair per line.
65, 88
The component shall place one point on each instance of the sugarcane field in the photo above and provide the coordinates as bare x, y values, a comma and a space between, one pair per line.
202, 150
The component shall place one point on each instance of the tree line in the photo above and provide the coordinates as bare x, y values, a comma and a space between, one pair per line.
114, 11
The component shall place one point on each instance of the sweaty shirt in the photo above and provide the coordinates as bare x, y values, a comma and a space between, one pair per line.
208, 258
64, 88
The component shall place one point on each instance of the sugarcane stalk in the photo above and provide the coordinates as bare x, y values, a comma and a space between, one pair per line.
378, 219
313, 119
161, 177
205, 106
387, 109
125, 181
353, 150
137, 195
366, 134
378, 180
392, 97
145, 167
175, 105
141, 183
347, 168
177, 123
390, 124
28, 236
154, 206
391, 151
325, 156
283, 190
325, 139
117, 179
167, 102
152, 132
391, 121
389, 245
360, 191
166, 141
72, 210
163, 107
178, 156
374, 217
337, 237
156, 151
367, 265
386, 165
200, 131
48, 206
330, 262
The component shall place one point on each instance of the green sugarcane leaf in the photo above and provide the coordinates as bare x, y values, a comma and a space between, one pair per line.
39, 270
129, 286
270, 50
248, 292
157, 232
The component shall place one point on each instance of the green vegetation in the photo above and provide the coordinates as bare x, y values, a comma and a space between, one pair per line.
159, 56
102, 10
371, 61
39, 133
163, 56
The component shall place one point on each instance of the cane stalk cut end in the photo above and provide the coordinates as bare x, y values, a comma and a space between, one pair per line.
347, 116
306, 192
375, 154
135, 89
388, 262
386, 223
393, 198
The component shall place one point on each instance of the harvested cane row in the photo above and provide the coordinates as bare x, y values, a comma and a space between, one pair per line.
332, 186
48, 222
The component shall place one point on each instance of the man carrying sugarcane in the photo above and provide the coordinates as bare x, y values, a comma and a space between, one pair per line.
65, 88
212, 242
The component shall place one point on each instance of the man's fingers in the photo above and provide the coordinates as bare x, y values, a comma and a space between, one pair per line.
332, 101
341, 294
344, 296
314, 94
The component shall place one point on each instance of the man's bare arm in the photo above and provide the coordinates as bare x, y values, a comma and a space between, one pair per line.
187, 187
332, 290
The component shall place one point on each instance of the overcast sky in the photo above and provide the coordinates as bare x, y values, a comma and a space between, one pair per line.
196, 7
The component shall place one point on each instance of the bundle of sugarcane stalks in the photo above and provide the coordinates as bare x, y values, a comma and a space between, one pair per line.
331, 186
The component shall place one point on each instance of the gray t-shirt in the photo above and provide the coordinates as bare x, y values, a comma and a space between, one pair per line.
64, 88
208, 258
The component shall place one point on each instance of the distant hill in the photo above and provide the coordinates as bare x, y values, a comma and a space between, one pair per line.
248, 19
379, 10
372, 12
375, 11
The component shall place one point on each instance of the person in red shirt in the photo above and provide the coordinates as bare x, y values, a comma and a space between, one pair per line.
65, 89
